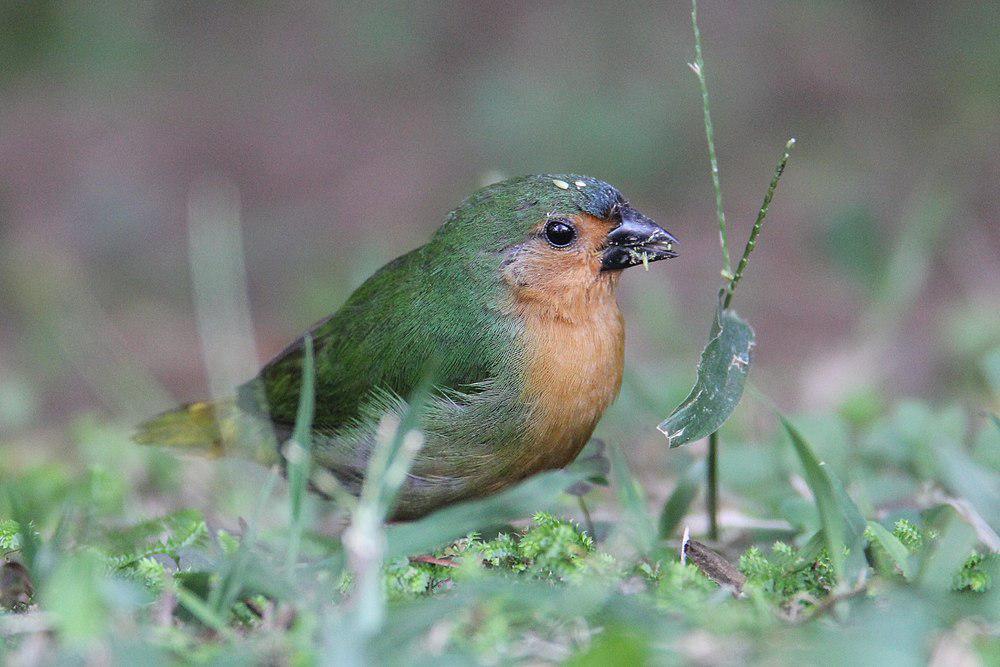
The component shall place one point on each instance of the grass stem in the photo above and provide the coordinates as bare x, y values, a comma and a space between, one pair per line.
235, 569
712, 472
588, 521
759, 222
299, 452
698, 67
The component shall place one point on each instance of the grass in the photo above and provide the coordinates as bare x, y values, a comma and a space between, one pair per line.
545, 590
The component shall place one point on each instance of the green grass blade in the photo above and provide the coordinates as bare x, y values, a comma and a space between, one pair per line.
631, 498
27, 539
398, 441
202, 611
235, 571
298, 451
680, 500
813, 546
838, 514
945, 555
759, 222
698, 67
895, 549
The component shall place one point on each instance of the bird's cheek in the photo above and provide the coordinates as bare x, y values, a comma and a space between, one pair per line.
528, 264
515, 276
513, 268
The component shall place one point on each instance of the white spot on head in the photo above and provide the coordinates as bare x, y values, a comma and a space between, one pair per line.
579, 184
562, 185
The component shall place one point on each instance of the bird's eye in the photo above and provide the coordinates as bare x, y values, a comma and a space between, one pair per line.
559, 233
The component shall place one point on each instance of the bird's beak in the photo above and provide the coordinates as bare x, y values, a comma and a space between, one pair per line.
637, 240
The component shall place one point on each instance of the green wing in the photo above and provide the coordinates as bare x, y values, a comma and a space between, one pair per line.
415, 315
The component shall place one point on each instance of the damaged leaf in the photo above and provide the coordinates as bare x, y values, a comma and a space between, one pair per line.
722, 374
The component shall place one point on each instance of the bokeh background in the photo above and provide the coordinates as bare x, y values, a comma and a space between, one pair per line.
345, 132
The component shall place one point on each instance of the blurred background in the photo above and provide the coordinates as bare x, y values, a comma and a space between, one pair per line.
340, 135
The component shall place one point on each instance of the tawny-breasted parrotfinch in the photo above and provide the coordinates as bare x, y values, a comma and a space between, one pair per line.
511, 304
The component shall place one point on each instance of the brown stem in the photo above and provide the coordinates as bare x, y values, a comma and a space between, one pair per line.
433, 560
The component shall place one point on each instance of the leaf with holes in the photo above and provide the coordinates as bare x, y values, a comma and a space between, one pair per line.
722, 374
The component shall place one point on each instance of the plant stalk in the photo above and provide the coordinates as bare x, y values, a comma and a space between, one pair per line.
588, 521
300, 450
712, 468
698, 67
759, 222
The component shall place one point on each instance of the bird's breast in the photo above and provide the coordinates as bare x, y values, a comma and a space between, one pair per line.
573, 371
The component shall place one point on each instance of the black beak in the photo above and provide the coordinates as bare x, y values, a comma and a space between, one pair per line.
637, 240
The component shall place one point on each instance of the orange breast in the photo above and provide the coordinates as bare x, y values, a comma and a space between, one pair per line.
573, 373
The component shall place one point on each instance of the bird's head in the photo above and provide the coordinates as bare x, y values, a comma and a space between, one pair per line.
555, 233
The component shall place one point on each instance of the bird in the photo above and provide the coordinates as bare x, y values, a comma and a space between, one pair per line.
510, 307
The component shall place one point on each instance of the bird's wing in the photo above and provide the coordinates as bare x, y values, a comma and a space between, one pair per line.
411, 318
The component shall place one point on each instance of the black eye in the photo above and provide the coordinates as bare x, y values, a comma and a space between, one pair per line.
559, 233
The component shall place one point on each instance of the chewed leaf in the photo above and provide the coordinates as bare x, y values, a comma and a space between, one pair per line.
722, 374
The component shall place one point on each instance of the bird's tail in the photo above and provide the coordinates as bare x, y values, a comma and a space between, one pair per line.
207, 427
213, 429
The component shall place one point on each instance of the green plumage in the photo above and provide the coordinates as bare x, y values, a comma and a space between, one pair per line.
445, 309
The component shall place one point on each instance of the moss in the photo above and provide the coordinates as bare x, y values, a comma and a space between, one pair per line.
554, 548
551, 548
404, 579
912, 537
151, 574
785, 576
9, 539
974, 575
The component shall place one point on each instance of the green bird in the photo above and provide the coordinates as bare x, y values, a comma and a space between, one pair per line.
511, 305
